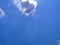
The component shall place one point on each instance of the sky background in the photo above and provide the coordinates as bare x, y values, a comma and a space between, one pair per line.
43, 28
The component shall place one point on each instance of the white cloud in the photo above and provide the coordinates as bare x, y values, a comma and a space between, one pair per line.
23, 0
2, 13
26, 6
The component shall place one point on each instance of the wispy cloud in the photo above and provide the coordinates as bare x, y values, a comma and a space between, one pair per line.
58, 42
2, 13
26, 6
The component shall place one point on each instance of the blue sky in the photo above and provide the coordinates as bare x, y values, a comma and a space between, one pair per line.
43, 28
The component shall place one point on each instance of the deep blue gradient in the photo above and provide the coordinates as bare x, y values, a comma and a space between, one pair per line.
43, 28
